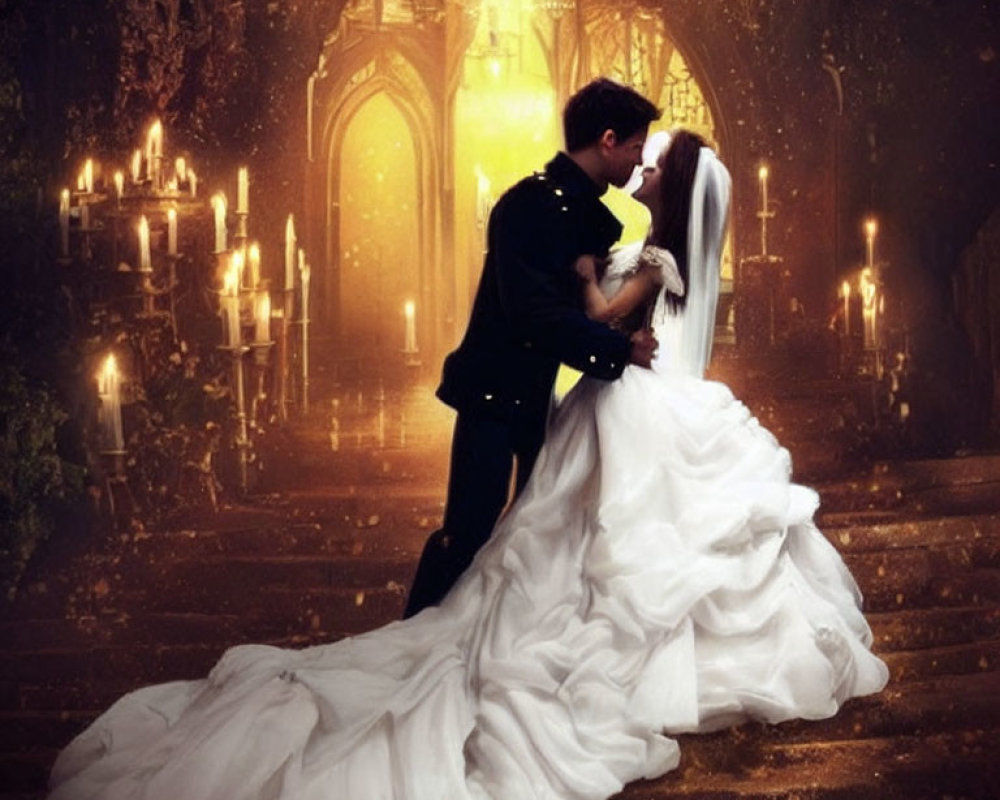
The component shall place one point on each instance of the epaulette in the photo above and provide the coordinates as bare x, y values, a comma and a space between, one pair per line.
555, 191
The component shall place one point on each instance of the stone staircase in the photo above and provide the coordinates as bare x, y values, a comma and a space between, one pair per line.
328, 544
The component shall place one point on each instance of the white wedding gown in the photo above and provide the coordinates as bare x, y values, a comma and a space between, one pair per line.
659, 574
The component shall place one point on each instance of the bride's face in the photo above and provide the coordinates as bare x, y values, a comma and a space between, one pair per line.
648, 192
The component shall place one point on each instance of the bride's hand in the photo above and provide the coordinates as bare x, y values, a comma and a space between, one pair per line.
586, 268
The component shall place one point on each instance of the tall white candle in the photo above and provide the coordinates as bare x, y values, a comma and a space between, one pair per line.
242, 191
193, 182
180, 169
110, 410
119, 186
262, 317
290, 253
154, 152
172, 231
253, 259
871, 228
135, 168
145, 264
762, 174
239, 264
304, 276
88, 176
410, 338
219, 207
64, 223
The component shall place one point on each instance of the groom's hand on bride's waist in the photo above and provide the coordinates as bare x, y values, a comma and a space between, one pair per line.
644, 346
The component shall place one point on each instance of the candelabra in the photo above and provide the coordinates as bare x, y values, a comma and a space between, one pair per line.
236, 353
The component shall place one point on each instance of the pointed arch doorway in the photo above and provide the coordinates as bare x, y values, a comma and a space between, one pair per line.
379, 226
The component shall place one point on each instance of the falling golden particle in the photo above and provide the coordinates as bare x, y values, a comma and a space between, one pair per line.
373, 520
101, 588
984, 663
899, 599
357, 549
881, 570
875, 488
314, 622
945, 592
845, 538
359, 599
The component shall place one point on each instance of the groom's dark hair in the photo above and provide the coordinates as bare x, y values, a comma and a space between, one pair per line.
601, 105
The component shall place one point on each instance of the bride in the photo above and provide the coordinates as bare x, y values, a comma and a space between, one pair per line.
659, 574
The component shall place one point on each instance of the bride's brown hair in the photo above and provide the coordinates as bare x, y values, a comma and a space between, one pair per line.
679, 163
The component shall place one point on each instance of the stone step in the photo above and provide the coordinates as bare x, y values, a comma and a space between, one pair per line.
922, 629
851, 533
931, 766
951, 713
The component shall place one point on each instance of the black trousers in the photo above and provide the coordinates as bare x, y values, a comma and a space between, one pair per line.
483, 453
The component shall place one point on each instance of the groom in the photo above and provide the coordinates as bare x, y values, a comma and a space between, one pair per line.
527, 318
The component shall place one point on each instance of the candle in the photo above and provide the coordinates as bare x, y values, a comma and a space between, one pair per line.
136, 166
145, 265
242, 191
262, 317
219, 207
154, 151
410, 340
193, 182
290, 253
239, 263
119, 186
84, 217
847, 308
110, 411
304, 275
871, 227
64, 223
762, 174
868, 291
231, 305
180, 169
253, 257
88, 176
172, 231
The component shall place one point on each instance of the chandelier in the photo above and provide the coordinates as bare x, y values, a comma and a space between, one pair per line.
555, 8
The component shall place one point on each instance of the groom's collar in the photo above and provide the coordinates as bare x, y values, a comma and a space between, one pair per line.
570, 176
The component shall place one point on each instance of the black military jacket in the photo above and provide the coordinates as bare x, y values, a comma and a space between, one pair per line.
528, 313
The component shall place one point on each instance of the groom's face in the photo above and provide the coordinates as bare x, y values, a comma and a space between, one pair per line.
623, 156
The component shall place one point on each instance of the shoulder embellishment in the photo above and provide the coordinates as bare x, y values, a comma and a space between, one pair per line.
663, 261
